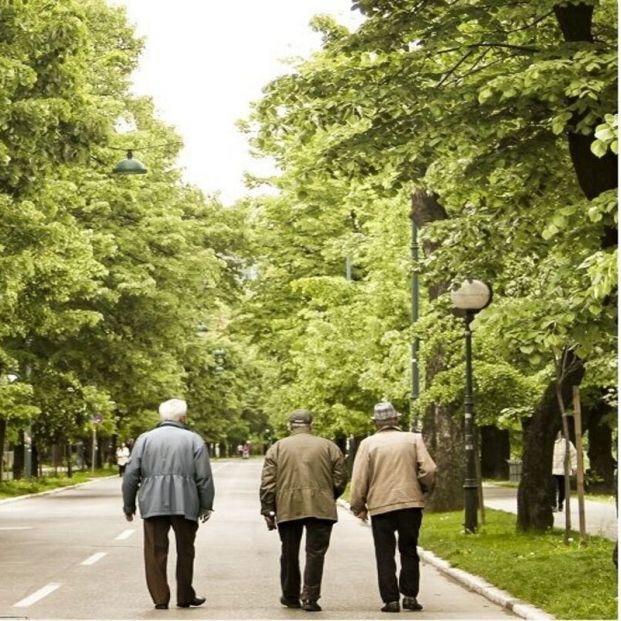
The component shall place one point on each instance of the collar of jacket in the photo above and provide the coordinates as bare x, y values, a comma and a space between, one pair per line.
389, 428
297, 430
173, 423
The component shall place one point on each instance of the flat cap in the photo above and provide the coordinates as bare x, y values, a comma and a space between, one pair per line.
300, 417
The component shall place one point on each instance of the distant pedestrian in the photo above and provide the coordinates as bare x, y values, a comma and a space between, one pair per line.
392, 474
302, 477
558, 469
122, 457
169, 469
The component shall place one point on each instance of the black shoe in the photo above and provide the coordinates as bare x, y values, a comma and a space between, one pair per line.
311, 605
410, 603
391, 607
161, 606
197, 601
290, 603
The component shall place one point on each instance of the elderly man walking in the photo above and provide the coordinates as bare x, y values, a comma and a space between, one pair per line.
169, 467
392, 472
302, 477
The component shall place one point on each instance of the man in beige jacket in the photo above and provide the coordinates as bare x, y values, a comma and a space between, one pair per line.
392, 474
302, 477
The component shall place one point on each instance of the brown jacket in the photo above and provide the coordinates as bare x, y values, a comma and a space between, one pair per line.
392, 470
302, 477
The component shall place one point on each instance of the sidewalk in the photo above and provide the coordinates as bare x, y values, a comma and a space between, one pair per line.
601, 517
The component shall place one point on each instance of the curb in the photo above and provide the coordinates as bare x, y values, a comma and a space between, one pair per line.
477, 584
56, 490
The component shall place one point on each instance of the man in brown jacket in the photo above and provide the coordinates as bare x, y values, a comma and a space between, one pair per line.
302, 477
392, 473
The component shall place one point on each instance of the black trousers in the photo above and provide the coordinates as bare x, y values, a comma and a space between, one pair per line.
317, 542
559, 490
405, 522
156, 556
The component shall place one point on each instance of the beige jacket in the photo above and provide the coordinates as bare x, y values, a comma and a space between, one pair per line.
302, 477
392, 470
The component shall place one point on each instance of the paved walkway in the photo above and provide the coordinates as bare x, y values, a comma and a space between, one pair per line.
601, 517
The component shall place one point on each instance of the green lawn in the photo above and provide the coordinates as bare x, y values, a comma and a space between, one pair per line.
569, 582
10, 489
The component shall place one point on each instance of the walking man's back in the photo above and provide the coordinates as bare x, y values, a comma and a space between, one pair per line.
392, 474
301, 479
169, 469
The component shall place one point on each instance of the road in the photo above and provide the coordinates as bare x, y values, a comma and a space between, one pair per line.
72, 555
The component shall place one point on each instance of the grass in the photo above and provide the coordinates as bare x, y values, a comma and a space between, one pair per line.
20, 487
569, 582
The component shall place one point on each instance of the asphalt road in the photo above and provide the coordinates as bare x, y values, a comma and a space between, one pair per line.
72, 555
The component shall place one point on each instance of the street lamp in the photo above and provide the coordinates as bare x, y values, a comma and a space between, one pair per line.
130, 166
471, 297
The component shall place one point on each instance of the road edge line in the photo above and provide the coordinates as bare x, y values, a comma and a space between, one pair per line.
476, 583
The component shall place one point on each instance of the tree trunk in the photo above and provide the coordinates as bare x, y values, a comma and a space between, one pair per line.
2, 440
602, 464
595, 174
442, 427
495, 451
444, 437
539, 432
18, 457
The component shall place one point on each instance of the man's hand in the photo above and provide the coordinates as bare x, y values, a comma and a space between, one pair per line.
205, 515
129, 517
363, 515
270, 520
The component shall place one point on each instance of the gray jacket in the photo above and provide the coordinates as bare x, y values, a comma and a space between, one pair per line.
169, 469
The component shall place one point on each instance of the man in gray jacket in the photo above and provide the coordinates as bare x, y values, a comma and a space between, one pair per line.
392, 474
169, 467
302, 477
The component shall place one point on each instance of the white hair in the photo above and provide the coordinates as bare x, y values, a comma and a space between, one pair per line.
173, 409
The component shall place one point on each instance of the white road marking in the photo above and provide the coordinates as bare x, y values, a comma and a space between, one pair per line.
91, 560
16, 527
37, 595
126, 534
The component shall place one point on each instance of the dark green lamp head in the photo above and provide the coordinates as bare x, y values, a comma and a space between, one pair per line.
130, 166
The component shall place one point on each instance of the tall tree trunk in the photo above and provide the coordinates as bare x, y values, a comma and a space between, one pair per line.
18, 456
2, 440
595, 174
602, 463
442, 427
495, 452
539, 432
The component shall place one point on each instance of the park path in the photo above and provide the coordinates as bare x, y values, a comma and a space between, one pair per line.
601, 517
72, 555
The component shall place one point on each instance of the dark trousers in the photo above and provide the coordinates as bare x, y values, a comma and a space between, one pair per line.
405, 522
317, 542
156, 557
559, 490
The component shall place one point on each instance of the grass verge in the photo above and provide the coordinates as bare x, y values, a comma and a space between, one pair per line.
569, 582
20, 487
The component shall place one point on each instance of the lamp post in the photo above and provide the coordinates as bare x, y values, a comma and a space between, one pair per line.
415, 423
471, 297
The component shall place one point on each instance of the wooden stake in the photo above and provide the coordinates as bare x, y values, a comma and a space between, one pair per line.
580, 469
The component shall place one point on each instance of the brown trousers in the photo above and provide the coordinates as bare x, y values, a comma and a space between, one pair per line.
156, 556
